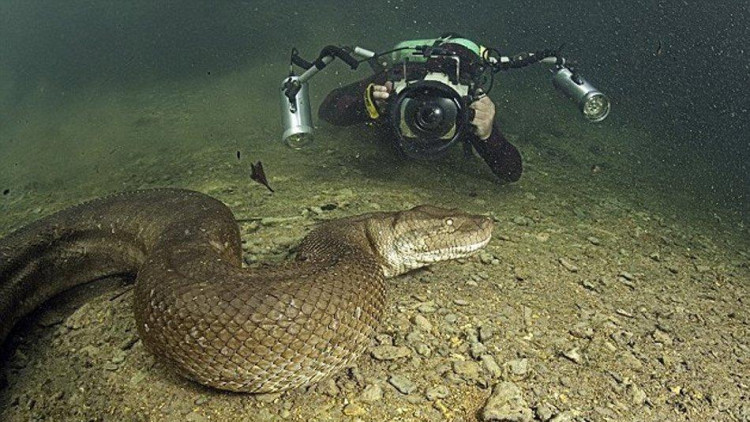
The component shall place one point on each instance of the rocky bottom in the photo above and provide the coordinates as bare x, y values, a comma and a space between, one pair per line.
607, 313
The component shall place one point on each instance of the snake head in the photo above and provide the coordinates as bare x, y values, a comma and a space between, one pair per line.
425, 234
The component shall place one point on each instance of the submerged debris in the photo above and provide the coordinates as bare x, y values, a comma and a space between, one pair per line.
257, 174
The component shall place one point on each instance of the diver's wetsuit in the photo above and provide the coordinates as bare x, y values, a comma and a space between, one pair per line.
346, 106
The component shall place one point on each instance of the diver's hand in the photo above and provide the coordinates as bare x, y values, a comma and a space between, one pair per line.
484, 116
381, 93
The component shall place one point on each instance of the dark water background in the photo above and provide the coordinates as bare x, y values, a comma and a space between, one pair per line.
692, 94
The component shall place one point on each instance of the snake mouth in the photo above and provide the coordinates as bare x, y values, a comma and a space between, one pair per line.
451, 252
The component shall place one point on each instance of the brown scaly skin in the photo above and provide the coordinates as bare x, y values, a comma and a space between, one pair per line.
228, 327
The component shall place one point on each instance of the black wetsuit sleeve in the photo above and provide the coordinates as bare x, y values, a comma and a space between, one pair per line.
500, 155
346, 105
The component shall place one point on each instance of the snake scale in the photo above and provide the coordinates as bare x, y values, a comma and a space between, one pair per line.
256, 330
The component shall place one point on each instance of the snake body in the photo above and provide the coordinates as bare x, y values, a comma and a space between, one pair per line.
255, 330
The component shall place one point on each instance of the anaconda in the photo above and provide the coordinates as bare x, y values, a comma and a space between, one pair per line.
196, 307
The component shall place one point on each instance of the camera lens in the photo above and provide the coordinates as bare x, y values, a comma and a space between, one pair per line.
429, 116
432, 117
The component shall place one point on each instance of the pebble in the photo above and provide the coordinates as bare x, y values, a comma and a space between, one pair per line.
522, 221
573, 355
427, 307
582, 330
423, 349
702, 268
626, 275
594, 241
327, 387
544, 412
468, 370
421, 323
660, 336
371, 393
437, 392
485, 333
506, 404
387, 352
450, 318
637, 395
353, 409
491, 366
403, 385
477, 350
518, 367
568, 265
488, 259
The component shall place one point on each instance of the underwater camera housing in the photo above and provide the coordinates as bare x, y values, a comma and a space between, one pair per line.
429, 108
434, 82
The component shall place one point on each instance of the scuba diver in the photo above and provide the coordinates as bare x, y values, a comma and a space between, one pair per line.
433, 117
431, 94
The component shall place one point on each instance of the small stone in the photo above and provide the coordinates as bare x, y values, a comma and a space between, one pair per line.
594, 241
491, 366
467, 370
109, 366
485, 333
660, 336
655, 256
384, 339
450, 318
624, 313
573, 355
582, 330
476, 350
371, 393
472, 283
353, 409
327, 386
387, 352
518, 367
568, 265
460, 302
506, 404
437, 392
422, 323
426, 307
673, 269
545, 412
637, 395
626, 275
423, 349
589, 286
403, 385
